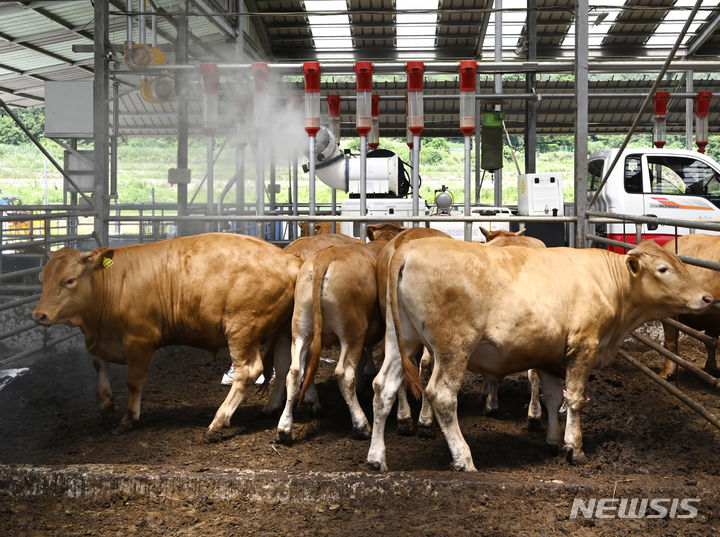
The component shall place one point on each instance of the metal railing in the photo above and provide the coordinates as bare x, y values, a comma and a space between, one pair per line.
31, 231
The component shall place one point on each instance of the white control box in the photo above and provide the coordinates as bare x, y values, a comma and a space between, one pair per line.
375, 207
540, 194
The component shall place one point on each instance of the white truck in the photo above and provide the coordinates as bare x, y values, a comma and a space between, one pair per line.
667, 183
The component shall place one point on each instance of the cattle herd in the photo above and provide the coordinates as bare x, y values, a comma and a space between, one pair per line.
496, 308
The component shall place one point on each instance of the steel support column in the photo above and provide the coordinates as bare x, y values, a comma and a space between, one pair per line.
497, 175
581, 119
101, 122
531, 104
181, 53
689, 110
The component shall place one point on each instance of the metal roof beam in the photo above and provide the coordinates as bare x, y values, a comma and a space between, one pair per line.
20, 93
220, 22
696, 42
171, 19
44, 52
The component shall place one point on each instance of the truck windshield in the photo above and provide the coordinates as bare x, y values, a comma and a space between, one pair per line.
682, 175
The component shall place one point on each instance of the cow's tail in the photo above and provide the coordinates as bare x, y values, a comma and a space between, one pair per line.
320, 268
410, 370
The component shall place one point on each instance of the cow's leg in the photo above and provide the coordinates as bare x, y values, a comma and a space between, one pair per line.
710, 364
281, 363
534, 418
299, 352
137, 369
404, 413
425, 419
347, 365
442, 393
552, 388
248, 367
386, 386
671, 344
104, 390
490, 388
575, 382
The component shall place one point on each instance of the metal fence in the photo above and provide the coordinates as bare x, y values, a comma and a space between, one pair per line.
28, 232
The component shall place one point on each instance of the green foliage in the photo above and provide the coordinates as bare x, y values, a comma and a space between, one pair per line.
11, 133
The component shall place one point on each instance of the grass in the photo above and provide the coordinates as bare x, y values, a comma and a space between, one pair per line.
143, 165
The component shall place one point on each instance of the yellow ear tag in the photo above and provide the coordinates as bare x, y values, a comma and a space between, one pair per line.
107, 262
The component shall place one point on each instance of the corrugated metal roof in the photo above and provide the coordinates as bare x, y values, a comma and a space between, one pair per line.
37, 39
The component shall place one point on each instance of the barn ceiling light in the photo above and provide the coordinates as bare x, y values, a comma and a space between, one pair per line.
330, 25
416, 29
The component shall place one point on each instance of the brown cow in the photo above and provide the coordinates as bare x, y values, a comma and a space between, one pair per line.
498, 311
336, 294
497, 238
208, 291
304, 247
320, 228
706, 247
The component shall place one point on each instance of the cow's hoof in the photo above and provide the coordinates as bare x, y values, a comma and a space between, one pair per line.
491, 412
377, 466
284, 437
106, 413
362, 433
578, 459
425, 431
534, 424
556, 449
713, 370
212, 436
123, 428
463, 467
405, 427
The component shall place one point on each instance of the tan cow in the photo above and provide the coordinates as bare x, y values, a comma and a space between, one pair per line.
336, 294
304, 247
209, 291
706, 247
500, 238
497, 238
320, 228
498, 311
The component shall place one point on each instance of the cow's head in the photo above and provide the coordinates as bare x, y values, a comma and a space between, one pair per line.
67, 290
383, 232
663, 282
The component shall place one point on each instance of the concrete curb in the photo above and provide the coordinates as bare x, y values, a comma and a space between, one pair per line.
104, 481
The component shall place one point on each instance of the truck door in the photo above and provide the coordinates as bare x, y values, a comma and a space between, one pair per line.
676, 186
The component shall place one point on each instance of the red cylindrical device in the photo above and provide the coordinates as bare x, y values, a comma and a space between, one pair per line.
702, 109
312, 97
415, 74
468, 75
660, 102
363, 109
211, 86
334, 115
374, 136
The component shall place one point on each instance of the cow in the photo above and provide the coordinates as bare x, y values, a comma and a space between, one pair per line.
304, 247
336, 295
319, 228
210, 291
500, 238
707, 247
498, 311
497, 238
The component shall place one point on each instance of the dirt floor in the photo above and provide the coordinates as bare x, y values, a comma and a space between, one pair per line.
641, 442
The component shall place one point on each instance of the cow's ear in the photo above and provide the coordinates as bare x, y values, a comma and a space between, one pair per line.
371, 231
521, 232
484, 232
95, 259
633, 261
